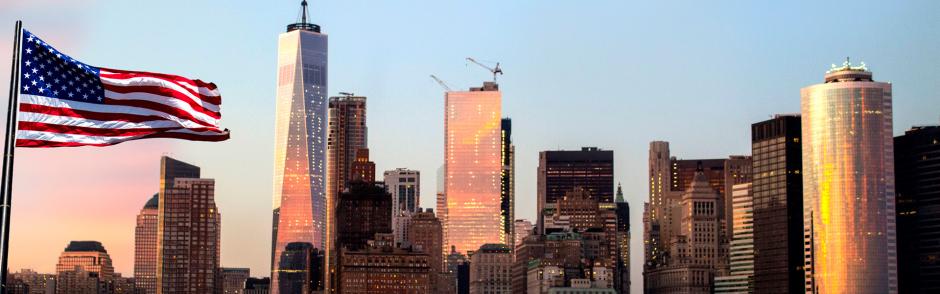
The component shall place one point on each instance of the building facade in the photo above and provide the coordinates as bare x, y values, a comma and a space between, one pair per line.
145, 247
425, 235
777, 193
741, 258
521, 229
233, 279
84, 268
848, 183
385, 269
300, 211
622, 269
560, 172
301, 267
405, 187
189, 231
507, 194
361, 212
490, 269
917, 158
473, 167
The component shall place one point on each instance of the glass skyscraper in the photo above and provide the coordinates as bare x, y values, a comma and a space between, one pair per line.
473, 167
300, 202
848, 184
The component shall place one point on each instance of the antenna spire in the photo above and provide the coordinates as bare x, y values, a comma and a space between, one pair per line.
303, 5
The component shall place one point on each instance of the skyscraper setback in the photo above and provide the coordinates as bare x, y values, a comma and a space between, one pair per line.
145, 247
189, 231
473, 167
300, 179
848, 183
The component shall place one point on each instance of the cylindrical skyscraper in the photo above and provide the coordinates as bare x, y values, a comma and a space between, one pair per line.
848, 184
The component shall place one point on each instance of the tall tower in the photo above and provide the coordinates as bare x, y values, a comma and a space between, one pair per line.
405, 187
917, 163
848, 183
778, 212
622, 210
145, 247
300, 179
189, 231
473, 167
563, 171
507, 195
347, 134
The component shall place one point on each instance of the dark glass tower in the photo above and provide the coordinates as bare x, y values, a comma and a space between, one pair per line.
777, 192
561, 172
917, 172
507, 179
301, 269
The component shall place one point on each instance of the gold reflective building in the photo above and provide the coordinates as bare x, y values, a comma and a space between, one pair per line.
473, 167
848, 184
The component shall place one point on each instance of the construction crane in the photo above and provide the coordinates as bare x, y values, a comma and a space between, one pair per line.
442, 83
495, 70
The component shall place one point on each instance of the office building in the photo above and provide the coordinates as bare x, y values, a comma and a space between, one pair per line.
300, 172
362, 211
473, 167
777, 191
189, 230
346, 135
233, 280
490, 269
507, 195
531, 248
848, 183
522, 228
560, 172
84, 268
28, 281
917, 168
145, 247
301, 267
741, 277
622, 270
258, 286
405, 187
382, 267
425, 235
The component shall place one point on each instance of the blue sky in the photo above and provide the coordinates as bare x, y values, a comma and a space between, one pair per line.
612, 74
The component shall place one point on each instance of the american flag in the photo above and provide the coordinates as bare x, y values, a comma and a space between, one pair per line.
65, 103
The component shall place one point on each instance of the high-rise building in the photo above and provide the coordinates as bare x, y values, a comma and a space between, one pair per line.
382, 267
84, 268
507, 194
301, 267
777, 193
848, 183
741, 277
300, 203
145, 247
490, 269
622, 270
346, 135
362, 211
233, 279
560, 172
521, 229
425, 235
188, 230
28, 281
405, 187
917, 167
473, 167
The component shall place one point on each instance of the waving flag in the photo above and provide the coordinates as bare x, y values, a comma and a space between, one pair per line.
64, 103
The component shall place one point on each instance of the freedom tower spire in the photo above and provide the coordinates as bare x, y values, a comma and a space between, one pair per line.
301, 206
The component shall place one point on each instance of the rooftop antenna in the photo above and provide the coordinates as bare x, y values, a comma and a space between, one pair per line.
303, 24
303, 5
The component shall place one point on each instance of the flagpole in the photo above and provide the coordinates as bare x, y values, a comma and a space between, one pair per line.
9, 146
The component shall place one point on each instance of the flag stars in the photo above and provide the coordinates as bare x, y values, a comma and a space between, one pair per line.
28, 51
28, 62
70, 95
26, 88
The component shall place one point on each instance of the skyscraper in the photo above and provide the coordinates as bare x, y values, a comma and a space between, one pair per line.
405, 187
347, 134
622, 270
917, 158
189, 231
145, 247
848, 183
425, 235
522, 228
473, 167
777, 193
300, 202
84, 268
507, 195
560, 172
740, 278
490, 269
301, 267
362, 211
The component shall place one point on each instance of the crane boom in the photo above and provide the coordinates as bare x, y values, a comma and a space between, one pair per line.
442, 83
495, 70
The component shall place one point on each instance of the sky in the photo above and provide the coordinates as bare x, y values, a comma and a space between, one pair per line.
611, 74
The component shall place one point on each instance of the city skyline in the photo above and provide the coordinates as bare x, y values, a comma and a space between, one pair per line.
129, 184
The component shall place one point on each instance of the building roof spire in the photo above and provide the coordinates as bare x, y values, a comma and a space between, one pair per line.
619, 193
303, 24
